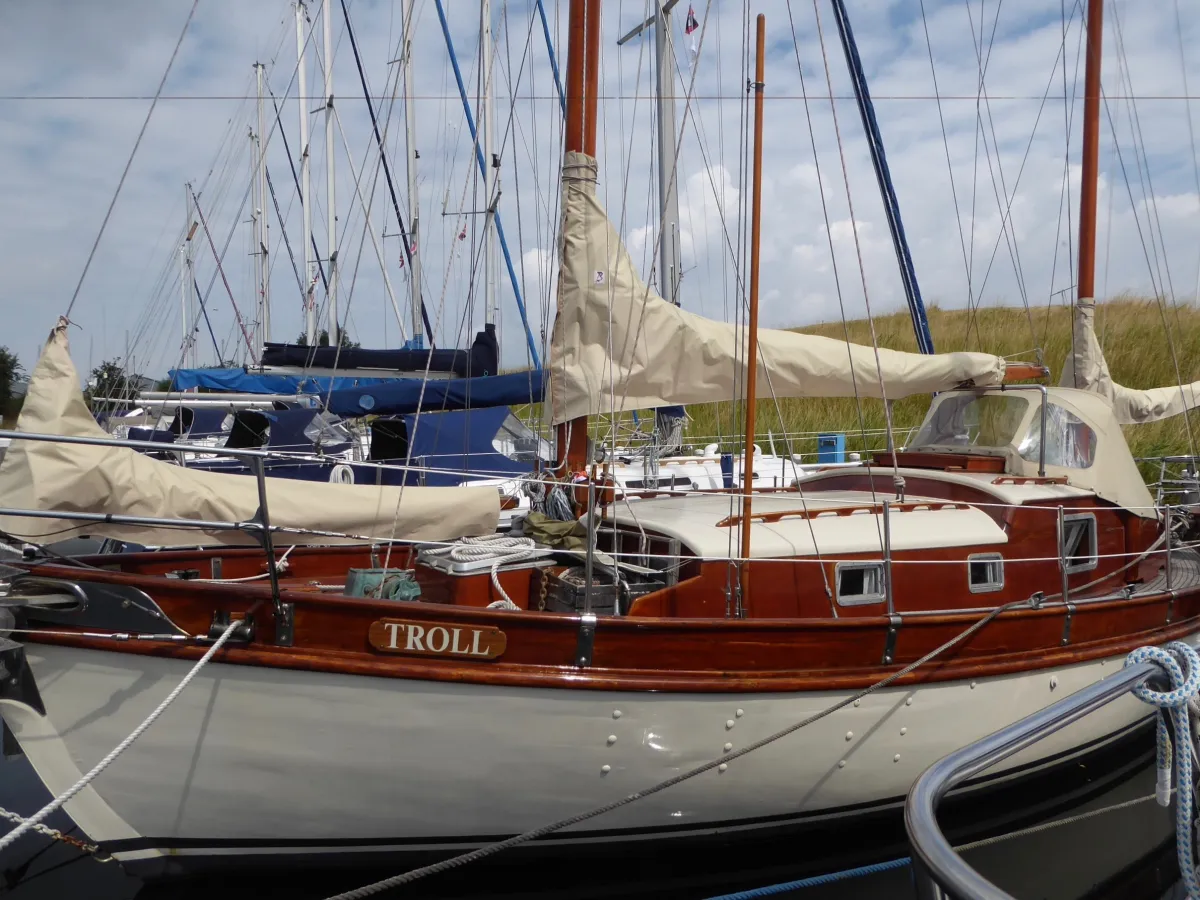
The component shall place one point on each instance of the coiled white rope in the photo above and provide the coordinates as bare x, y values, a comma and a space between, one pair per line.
500, 548
34, 820
1184, 688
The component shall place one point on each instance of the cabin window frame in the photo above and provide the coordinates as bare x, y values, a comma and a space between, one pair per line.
1090, 528
860, 599
985, 587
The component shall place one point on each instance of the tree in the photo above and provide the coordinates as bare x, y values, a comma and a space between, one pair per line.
10, 373
108, 380
323, 340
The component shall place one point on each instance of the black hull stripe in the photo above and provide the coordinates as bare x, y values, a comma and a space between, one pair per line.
873, 807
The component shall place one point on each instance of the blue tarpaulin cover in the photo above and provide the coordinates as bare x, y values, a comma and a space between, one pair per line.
244, 382
402, 396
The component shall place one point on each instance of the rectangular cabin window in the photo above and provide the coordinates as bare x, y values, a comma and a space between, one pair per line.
1079, 542
859, 582
985, 572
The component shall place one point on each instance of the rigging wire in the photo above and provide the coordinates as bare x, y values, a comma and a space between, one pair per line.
129, 162
887, 408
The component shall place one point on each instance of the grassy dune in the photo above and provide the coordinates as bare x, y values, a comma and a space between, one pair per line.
1137, 335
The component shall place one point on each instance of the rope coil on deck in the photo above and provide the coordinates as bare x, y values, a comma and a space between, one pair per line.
500, 548
1176, 703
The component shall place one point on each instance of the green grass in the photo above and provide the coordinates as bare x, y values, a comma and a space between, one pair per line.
1138, 345
1137, 334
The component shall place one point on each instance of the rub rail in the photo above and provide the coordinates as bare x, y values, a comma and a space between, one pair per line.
941, 873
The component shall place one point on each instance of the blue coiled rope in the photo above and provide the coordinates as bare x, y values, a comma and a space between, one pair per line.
1184, 686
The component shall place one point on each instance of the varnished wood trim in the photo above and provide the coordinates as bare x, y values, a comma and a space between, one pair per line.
816, 511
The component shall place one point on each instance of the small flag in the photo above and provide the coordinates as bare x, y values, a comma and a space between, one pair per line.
689, 27
462, 235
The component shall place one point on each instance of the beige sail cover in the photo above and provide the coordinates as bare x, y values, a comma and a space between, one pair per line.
47, 476
1087, 370
618, 346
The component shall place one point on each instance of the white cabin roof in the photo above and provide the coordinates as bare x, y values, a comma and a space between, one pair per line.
812, 524
998, 485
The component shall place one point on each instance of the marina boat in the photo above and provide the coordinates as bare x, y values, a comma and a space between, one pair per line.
710, 667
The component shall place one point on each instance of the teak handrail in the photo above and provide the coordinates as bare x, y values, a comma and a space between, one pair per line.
1020, 371
876, 508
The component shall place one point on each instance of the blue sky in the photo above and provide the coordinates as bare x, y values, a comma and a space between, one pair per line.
77, 80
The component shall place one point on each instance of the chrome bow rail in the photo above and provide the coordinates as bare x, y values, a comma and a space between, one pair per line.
941, 874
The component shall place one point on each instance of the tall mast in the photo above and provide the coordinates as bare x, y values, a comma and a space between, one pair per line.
668, 193
668, 188
330, 194
189, 282
310, 277
411, 157
487, 115
262, 233
1091, 152
752, 349
583, 77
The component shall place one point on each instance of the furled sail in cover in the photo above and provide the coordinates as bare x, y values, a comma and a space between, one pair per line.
618, 345
1087, 370
52, 477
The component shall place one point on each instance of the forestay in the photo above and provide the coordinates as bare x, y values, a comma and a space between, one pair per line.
618, 346
51, 477
1087, 369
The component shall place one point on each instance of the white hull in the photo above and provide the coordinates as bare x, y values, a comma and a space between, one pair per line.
283, 761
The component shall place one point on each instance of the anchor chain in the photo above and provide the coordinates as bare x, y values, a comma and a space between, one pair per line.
57, 835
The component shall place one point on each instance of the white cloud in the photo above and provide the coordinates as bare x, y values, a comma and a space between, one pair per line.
60, 160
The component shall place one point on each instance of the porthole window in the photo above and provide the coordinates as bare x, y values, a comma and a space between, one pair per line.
985, 572
859, 582
1079, 542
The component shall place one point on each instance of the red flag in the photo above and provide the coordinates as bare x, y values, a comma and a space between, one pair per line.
691, 24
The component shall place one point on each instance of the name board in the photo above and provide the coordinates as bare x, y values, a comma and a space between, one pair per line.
436, 639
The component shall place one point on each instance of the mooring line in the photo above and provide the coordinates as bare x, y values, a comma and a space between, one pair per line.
34, 820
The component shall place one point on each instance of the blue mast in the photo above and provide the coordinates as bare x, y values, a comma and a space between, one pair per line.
562, 97
512, 273
891, 205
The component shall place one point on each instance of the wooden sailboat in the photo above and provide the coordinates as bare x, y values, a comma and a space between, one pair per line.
1009, 555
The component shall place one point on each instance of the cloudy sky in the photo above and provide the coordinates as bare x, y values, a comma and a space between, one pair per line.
983, 145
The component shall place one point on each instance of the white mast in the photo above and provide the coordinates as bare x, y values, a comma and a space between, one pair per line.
668, 193
487, 117
189, 282
330, 204
262, 232
184, 330
411, 157
310, 307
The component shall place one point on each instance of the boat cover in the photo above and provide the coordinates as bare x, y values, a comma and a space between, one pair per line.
245, 381
617, 346
481, 359
47, 476
1087, 369
409, 395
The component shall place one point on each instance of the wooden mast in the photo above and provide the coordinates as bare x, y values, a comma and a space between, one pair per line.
583, 78
752, 343
1091, 153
